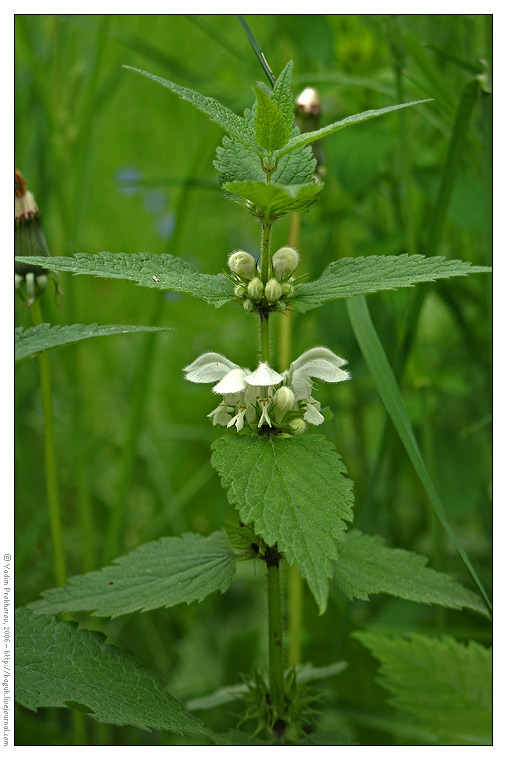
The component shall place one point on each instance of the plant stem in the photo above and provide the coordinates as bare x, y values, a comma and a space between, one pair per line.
265, 274
275, 639
266, 253
294, 581
265, 350
50, 457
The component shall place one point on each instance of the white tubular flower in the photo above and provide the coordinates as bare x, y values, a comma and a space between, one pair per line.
319, 363
264, 376
232, 382
208, 368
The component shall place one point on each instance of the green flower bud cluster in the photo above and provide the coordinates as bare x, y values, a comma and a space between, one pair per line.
256, 295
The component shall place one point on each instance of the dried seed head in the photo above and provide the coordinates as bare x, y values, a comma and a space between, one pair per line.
24, 203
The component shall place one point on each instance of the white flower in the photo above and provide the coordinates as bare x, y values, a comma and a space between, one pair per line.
264, 376
319, 363
208, 368
251, 397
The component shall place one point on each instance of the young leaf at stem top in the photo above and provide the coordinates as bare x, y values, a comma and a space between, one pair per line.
282, 94
271, 129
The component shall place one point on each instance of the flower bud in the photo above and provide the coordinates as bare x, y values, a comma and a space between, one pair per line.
287, 289
273, 290
255, 289
240, 291
242, 264
285, 260
297, 425
281, 306
248, 305
283, 401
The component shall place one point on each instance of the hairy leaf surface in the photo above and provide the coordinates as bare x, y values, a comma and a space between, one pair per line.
58, 665
309, 137
32, 340
171, 272
270, 202
235, 161
229, 121
271, 128
444, 685
296, 168
282, 94
159, 574
295, 494
350, 277
366, 566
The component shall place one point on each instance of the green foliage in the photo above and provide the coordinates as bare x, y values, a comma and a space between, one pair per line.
390, 394
271, 128
159, 574
444, 685
282, 95
270, 202
171, 272
233, 124
296, 168
235, 162
32, 340
295, 494
58, 665
348, 277
310, 137
366, 566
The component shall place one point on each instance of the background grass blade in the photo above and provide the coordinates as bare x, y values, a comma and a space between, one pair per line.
389, 392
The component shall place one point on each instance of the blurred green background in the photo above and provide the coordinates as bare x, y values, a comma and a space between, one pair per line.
117, 163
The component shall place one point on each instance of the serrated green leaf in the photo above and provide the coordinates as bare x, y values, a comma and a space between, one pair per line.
444, 685
282, 94
349, 277
366, 566
271, 128
236, 162
171, 272
233, 124
269, 202
42, 337
295, 494
296, 168
159, 574
309, 137
58, 665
